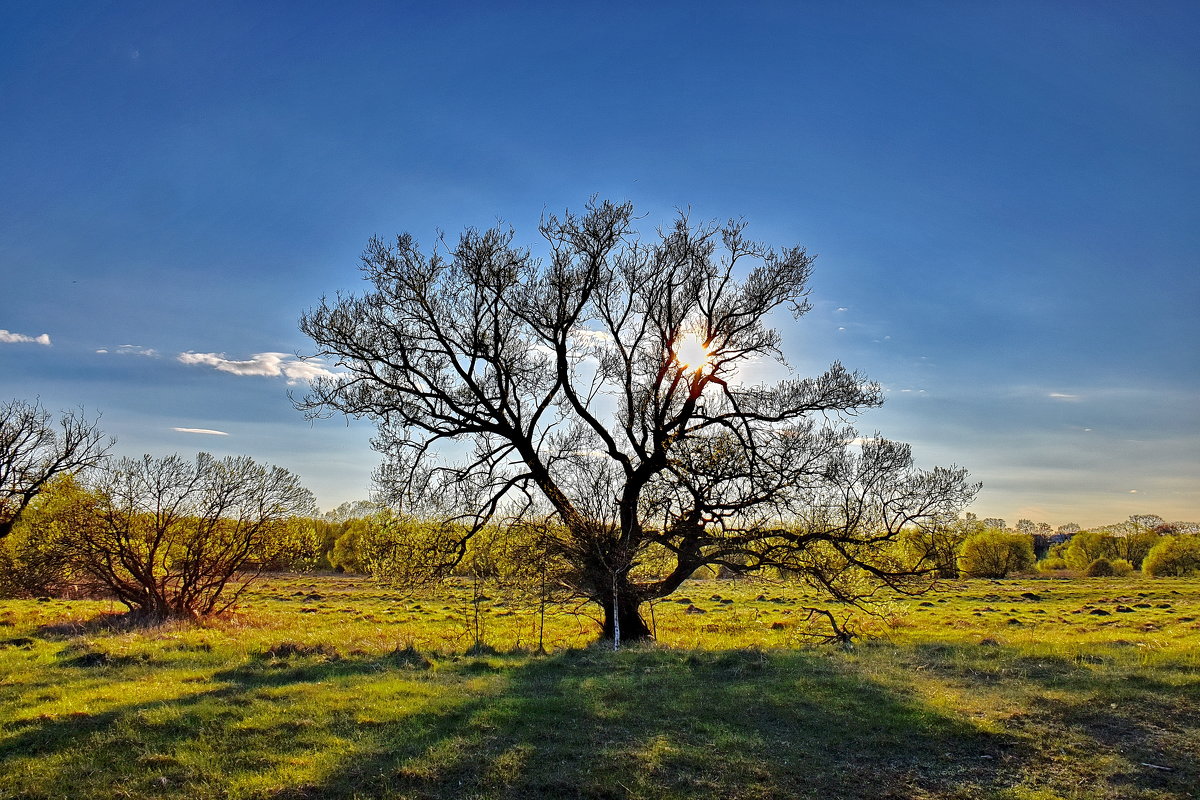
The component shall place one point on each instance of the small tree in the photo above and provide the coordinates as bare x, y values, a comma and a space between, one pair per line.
1119, 542
1174, 556
996, 554
34, 448
1135, 545
1121, 567
172, 538
347, 553
298, 545
937, 545
595, 394
1085, 547
36, 559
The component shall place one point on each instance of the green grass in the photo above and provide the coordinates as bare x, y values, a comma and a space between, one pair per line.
334, 687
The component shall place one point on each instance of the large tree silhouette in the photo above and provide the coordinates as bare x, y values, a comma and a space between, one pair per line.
595, 395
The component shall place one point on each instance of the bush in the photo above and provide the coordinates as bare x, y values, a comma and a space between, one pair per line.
176, 539
1052, 564
36, 559
1086, 547
995, 554
1174, 556
1121, 567
936, 547
1099, 568
346, 555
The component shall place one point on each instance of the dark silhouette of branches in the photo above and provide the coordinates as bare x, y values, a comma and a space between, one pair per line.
34, 448
171, 538
597, 390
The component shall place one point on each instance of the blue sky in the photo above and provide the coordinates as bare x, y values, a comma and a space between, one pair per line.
1004, 198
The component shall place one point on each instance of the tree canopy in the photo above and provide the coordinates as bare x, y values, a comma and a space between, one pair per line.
34, 448
595, 394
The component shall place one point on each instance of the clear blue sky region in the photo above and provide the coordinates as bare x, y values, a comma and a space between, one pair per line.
1004, 198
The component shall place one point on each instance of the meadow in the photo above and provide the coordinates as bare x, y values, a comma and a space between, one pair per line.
329, 686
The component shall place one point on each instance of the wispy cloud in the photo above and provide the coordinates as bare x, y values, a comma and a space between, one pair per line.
859, 441
19, 338
586, 337
268, 365
1063, 396
130, 350
204, 431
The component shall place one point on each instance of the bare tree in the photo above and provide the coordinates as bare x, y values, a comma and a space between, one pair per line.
34, 448
600, 389
170, 538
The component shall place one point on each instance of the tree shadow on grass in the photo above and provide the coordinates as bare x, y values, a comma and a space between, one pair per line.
578, 724
664, 724
642, 723
1127, 732
249, 718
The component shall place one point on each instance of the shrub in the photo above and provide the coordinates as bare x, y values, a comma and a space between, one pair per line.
346, 555
936, 547
1086, 547
1135, 546
1099, 568
995, 554
36, 559
172, 538
1174, 556
1052, 564
1121, 567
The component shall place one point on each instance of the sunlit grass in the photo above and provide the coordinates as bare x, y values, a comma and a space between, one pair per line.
332, 686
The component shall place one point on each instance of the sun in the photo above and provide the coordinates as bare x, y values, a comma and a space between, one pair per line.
690, 351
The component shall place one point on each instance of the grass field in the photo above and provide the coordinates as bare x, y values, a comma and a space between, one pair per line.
331, 686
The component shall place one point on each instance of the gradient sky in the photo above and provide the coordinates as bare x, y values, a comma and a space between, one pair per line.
1004, 198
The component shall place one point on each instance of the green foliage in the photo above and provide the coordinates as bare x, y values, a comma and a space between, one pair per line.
1084, 548
1052, 564
177, 539
296, 544
1099, 568
995, 554
936, 546
1174, 556
1135, 546
1121, 567
347, 554
1123, 542
36, 559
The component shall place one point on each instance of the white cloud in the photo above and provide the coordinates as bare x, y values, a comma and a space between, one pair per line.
15, 338
205, 431
130, 350
1062, 396
269, 365
842, 308
859, 441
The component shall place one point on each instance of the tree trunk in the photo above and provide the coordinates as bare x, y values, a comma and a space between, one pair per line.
633, 628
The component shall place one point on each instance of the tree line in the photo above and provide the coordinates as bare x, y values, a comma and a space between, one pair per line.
972, 548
